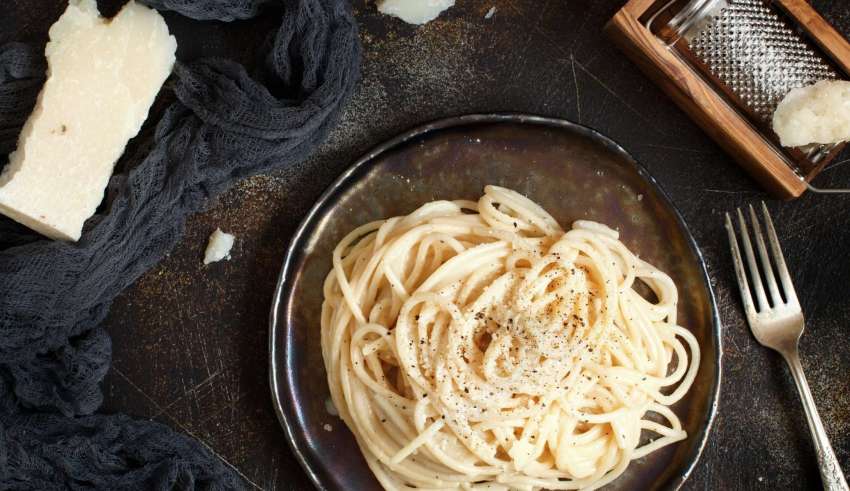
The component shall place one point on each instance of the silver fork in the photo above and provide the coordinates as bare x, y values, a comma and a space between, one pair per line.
778, 324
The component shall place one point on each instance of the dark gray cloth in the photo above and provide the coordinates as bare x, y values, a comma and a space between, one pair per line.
224, 125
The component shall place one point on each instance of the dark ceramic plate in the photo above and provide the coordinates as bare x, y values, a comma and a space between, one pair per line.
573, 172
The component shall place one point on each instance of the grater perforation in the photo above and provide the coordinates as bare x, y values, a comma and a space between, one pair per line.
756, 54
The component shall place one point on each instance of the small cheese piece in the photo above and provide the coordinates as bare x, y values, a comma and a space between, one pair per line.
102, 78
330, 407
819, 113
218, 247
414, 11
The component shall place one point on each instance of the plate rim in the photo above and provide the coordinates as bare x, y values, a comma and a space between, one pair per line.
277, 387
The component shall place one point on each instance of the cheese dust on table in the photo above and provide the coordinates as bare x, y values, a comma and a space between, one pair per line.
102, 78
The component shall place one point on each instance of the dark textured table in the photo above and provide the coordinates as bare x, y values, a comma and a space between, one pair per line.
190, 342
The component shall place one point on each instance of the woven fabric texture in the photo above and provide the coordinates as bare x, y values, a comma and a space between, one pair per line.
223, 126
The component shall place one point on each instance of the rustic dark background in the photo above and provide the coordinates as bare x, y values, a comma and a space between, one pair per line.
190, 342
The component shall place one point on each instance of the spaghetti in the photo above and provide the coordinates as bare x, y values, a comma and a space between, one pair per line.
477, 345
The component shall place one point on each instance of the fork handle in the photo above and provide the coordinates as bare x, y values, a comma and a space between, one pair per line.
830, 471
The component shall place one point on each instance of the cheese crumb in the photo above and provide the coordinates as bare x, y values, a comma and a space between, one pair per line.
328, 427
414, 11
102, 78
218, 247
330, 407
490, 13
819, 113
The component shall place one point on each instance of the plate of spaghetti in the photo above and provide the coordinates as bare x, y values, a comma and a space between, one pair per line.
495, 302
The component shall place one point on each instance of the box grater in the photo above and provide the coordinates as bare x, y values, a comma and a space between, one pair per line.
729, 63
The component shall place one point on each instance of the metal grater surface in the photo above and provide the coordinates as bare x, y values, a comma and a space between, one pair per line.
757, 55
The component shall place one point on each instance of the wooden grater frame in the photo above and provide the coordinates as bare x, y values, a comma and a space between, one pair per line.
706, 103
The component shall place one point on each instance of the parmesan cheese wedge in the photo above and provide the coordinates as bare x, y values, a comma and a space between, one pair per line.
414, 11
102, 78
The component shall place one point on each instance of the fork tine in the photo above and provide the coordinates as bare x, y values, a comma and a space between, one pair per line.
765, 259
779, 258
751, 262
740, 273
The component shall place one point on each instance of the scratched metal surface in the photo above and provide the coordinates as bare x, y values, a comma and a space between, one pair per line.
190, 342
